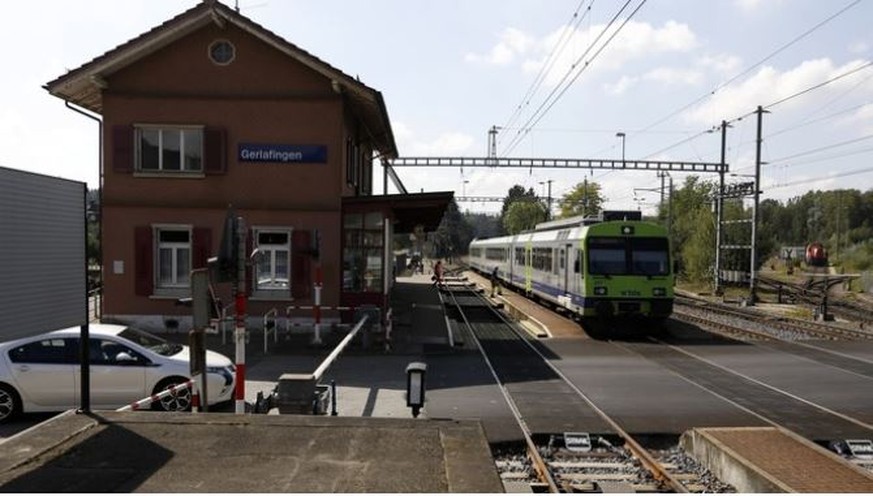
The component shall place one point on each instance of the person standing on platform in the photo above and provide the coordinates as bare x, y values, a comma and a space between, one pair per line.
438, 274
495, 283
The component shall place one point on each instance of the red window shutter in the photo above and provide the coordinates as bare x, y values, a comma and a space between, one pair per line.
301, 263
215, 150
202, 247
144, 258
122, 148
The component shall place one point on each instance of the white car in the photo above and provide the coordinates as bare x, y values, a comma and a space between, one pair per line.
42, 373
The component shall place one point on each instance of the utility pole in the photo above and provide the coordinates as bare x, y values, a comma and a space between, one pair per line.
719, 212
753, 280
622, 136
549, 201
661, 203
585, 198
492, 141
670, 208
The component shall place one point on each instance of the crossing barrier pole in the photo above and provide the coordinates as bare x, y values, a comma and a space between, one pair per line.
174, 390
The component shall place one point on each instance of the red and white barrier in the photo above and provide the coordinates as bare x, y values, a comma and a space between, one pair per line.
389, 326
145, 402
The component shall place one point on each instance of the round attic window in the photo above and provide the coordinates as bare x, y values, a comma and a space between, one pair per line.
221, 52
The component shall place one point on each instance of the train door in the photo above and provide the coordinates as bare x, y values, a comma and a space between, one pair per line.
528, 266
513, 262
565, 265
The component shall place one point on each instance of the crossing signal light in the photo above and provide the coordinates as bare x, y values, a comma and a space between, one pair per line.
225, 266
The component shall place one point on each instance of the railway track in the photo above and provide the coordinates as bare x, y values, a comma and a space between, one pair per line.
853, 311
765, 326
549, 461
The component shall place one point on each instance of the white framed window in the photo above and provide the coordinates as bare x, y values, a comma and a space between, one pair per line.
168, 149
274, 262
172, 257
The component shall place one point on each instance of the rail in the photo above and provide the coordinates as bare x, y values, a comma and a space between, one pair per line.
538, 462
638, 451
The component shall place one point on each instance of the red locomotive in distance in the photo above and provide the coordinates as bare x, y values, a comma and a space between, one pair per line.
816, 255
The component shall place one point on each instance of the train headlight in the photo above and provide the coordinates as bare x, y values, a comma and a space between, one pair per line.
600, 291
659, 292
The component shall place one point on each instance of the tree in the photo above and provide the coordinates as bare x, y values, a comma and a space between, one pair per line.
523, 216
698, 256
453, 235
515, 194
584, 199
484, 225
691, 208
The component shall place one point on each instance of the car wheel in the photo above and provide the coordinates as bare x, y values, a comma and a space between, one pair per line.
178, 402
10, 403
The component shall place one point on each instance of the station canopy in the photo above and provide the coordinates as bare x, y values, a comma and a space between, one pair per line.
408, 211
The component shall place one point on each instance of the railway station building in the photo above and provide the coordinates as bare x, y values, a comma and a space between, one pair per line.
210, 109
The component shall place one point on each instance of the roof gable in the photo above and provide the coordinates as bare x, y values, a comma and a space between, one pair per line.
83, 86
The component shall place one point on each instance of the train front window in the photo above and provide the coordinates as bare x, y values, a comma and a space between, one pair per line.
628, 256
607, 256
649, 256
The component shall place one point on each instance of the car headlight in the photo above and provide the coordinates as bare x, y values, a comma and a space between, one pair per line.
600, 291
659, 292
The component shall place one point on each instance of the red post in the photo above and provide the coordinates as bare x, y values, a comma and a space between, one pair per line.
239, 332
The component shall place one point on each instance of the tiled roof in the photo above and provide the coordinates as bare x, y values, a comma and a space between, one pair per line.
82, 85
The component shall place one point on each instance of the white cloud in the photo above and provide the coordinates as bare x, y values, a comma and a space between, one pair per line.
449, 144
669, 75
749, 5
769, 85
859, 47
512, 42
402, 132
723, 64
864, 118
637, 40
620, 86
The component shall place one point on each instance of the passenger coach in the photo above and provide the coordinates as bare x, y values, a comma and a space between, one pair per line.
593, 267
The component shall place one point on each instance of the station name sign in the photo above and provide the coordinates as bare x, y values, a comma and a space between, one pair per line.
283, 154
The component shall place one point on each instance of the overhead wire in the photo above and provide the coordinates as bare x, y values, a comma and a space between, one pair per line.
820, 85
552, 98
570, 28
821, 178
820, 149
530, 124
754, 66
768, 106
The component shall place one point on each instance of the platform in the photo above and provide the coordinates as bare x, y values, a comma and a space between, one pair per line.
768, 459
226, 453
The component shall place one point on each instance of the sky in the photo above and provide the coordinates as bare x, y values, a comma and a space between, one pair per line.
663, 73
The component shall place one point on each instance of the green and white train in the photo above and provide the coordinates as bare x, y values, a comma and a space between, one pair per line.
600, 268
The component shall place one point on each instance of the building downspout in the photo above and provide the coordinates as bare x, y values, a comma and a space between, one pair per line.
99, 186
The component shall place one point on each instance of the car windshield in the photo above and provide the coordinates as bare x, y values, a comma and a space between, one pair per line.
150, 341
